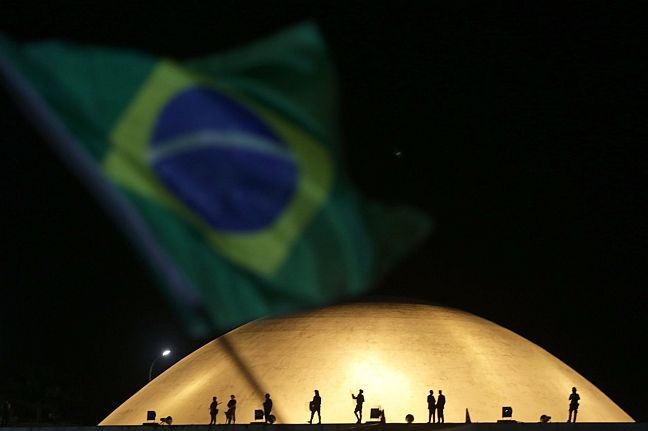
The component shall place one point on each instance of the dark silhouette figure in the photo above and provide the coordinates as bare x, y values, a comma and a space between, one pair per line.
5, 413
431, 407
315, 405
574, 398
267, 409
213, 411
440, 405
230, 414
358, 408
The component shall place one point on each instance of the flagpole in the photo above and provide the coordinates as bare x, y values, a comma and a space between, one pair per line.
36, 109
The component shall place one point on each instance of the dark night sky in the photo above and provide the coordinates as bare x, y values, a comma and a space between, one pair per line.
521, 132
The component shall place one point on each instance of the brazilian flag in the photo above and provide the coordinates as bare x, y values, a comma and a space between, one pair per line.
223, 170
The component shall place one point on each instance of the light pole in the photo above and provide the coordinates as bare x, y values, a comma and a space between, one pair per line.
166, 352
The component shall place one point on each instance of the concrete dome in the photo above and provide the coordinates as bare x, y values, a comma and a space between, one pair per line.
395, 352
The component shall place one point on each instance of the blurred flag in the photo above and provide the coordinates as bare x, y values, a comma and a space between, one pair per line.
222, 170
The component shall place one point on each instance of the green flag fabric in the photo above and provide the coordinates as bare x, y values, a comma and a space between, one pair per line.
223, 170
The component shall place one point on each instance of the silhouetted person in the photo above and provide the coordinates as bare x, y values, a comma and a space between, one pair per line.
231, 410
574, 398
358, 408
267, 408
440, 405
213, 411
431, 407
315, 406
5, 413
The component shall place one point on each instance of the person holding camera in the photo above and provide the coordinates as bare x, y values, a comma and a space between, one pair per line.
358, 408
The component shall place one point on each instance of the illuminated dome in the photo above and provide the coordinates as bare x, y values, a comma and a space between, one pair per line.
395, 352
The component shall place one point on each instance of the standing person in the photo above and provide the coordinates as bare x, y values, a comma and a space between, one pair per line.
358, 408
315, 407
6, 413
431, 407
267, 409
213, 411
231, 410
574, 398
440, 406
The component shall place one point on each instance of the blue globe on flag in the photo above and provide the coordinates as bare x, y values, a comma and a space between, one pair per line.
222, 161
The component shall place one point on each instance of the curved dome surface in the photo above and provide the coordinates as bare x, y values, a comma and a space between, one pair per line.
395, 352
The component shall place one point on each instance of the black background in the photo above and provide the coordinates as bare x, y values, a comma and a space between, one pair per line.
521, 133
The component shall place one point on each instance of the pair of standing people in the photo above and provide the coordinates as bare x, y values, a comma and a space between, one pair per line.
230, 414
435, 407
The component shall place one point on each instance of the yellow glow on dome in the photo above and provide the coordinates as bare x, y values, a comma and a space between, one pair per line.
376, 374
396, 353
